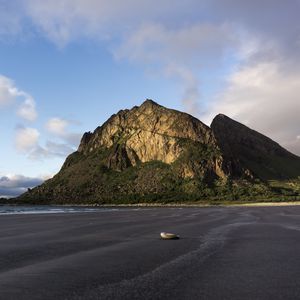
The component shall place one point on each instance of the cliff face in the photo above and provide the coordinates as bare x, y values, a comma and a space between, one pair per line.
151, 132
151, 153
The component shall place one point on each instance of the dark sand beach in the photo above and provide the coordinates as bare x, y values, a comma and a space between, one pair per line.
223, 253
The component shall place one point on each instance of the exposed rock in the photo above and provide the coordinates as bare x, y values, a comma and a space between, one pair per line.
85, 140
146, 133
121, 157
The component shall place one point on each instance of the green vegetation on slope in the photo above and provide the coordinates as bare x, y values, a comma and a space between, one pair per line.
86, 179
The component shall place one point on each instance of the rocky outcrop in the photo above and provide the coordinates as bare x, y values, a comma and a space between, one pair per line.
147, 133
149, 122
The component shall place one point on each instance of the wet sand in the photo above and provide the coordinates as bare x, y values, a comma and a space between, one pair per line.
223, 253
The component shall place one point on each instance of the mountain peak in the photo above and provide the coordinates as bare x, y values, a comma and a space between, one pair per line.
149, 102
221, 117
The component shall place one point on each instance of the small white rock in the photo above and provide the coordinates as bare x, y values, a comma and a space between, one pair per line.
169, 236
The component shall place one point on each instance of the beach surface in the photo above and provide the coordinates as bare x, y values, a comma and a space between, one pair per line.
222, 253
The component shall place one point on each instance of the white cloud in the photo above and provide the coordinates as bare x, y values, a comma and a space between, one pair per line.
10, 93
57, 126
26, 138
27, 109
60, 127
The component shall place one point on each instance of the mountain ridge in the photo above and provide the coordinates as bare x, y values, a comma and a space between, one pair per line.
153, 153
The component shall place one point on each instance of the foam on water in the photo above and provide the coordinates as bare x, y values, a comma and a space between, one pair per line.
37, 209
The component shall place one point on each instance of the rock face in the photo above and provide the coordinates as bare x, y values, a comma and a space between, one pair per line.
147, 133
151, 153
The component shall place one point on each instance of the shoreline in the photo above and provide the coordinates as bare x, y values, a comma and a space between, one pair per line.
166, 205
250, 204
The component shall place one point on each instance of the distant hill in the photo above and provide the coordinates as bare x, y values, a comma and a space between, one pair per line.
154, 154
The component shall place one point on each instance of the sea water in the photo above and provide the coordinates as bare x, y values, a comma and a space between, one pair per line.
48, 209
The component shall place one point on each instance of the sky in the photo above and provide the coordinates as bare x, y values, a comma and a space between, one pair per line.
68, 65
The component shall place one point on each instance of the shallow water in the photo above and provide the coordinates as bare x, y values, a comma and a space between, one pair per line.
47, 209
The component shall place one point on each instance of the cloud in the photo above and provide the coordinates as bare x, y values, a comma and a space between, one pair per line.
26, 138
65, 21
50, 150
27, 142
177, 38
265, 96
182, 53
262, 90
191, 86
9, 93
57, 126
60, 128
189, 44
27, 109
271, 19
14, 185
62, 143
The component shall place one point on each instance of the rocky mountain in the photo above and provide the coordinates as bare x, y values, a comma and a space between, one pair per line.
152, 153
152, 132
